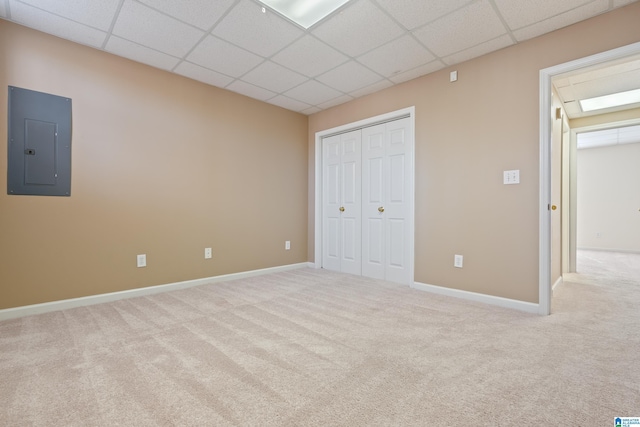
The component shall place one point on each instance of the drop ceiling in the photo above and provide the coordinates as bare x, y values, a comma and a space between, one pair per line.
599, 80
363, 47
604, 79
608, 137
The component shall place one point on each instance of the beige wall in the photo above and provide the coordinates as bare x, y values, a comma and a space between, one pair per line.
162, 165
467, 133
609, 198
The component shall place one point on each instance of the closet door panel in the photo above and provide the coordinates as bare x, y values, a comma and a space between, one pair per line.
373, 189
399, 149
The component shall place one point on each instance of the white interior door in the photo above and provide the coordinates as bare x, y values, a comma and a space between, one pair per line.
342, 209
386, 201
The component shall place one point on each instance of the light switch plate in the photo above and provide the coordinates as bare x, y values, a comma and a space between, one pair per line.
512, 177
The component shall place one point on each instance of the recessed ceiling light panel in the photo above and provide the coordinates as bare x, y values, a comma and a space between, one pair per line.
304, 12
610, 101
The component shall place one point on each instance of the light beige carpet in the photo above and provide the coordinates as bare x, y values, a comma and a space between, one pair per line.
315, 348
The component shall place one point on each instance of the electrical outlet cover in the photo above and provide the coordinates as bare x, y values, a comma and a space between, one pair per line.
142, 260
457, 261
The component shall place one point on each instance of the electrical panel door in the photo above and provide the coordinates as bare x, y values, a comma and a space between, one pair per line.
39, 157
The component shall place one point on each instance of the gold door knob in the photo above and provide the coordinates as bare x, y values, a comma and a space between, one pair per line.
554, 207
380, 209
341, 208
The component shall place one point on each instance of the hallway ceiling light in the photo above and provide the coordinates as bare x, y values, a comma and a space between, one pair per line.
305, 13
609, 101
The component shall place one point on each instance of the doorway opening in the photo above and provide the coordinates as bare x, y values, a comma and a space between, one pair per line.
546, 183
608, 196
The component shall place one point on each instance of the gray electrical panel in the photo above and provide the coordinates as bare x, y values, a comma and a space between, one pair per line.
39, 158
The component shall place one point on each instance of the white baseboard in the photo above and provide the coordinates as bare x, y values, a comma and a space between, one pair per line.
47, 307
622, 251
558, 282
528, 307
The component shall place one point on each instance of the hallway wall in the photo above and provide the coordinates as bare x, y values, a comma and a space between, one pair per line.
609, 198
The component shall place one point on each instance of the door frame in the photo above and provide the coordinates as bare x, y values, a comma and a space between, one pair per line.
546, 75
382, 118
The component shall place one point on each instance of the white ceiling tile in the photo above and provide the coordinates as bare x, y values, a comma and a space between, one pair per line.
349, 77
358, 28
415, 13
336, 101
145, 26
261, 33
566, 93
271, 76
613, 70
611, 134
605, 137
561, 20
223, 57
521, 13
417, 72
396, 57
94, 13
56, 25
620, 3
629, 134
312, 92
572, 109
606, 85
128, 49
200, 13
597, 138
288, 103
382, 84
479, 50
202, 74
310, 110
309, 56
250, 90
465, 28
561, 82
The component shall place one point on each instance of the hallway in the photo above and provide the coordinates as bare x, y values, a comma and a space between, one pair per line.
606, 287
614, 270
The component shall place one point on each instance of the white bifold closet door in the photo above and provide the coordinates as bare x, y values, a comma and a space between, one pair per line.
342, 214
367, 193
